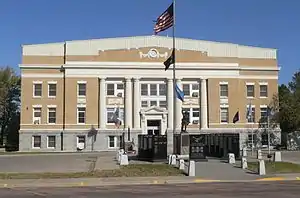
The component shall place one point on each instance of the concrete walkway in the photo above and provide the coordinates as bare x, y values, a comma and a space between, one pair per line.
220, 170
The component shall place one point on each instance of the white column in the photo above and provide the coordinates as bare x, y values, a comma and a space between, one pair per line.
128, 103
170, 103
102, 103
178, 114
203, 106
137, 104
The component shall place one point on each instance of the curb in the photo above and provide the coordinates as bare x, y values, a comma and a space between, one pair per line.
86, 183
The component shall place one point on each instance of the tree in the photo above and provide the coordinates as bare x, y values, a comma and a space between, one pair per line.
9, 101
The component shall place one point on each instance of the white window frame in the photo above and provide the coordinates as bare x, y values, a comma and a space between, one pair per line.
192, 118
122, 110
37, 118
77, 116
263, 84
157, 83
48, 141
252, 107
52, 83
80, 83
32, 142
115, 142
192, 91
33, 88
48, 111
116, 90
263, 107
252, 84
223, 83
224, 106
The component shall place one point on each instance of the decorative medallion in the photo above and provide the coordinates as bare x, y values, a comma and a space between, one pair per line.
153, 53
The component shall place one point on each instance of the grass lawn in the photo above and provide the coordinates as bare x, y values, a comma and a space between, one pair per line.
276, 167
133, 170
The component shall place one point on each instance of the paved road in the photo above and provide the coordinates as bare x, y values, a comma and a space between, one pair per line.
289, 189
68, 162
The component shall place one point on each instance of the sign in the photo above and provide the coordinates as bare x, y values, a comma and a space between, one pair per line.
197, 145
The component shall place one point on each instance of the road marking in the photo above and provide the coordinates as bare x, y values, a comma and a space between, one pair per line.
5, 185
297, 178
81, 184
271, 179
205, 180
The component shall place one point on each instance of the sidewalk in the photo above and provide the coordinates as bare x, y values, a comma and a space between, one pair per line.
76, 182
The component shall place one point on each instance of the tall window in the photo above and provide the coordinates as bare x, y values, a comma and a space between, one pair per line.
251, 118
263, 90
81, 117
223, 90
51, 143
37, 115
162, 89
52, 90
111, 115
250, 90
37, 89
191, 90
81, 89
224, 114
144, 89
153, 89
112, 141
36, 141
115, 89
51, 115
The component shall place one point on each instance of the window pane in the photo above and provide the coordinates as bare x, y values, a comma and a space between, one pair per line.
162, 89
81, 114
224, 90
52, 90
52, 115
250, 90
195, 87
110, 89
111, 141
252, 117
120, 86
144, 89
37, 89
163, 103
224, 114
153, 103
81, 89
81, 139
144, 103
186, 89
36, 141
196, 112
37, 112
153, 89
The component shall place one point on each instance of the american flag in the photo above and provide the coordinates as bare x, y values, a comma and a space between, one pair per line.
165, 20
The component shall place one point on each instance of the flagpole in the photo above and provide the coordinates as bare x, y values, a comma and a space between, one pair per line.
174, 69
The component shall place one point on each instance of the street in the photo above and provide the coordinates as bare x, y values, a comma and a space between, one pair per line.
287, 189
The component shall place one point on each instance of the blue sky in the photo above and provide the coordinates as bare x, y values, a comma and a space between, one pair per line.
262, 23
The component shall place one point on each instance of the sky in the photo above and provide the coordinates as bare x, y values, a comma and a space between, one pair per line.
261, 23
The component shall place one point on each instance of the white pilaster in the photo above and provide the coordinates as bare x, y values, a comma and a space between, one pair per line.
102, 103
203, 105
178, 114
137, 104
170, 103
128, 103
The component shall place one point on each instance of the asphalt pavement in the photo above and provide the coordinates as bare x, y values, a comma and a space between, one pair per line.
287, 189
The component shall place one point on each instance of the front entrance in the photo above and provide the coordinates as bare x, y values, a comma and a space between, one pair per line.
153, 127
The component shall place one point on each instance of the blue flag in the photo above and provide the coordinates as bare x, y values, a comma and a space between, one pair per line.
179, 93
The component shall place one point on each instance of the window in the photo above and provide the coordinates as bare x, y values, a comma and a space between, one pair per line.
144, 103
153, 103
51, 141
112, 141
263, 113
111, 115
36, 141
263, 90
37, 89
250, 90
162, 89
52, 90
191, 90
163, 104
144, 89
81, 115
82, 89
224, 114
115, 89
153, 89
52, 115
251, 117
224, 90
37, 115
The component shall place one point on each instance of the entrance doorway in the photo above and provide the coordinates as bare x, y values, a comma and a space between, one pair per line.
153, 127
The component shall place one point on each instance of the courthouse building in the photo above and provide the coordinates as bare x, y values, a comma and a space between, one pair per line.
71, 90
